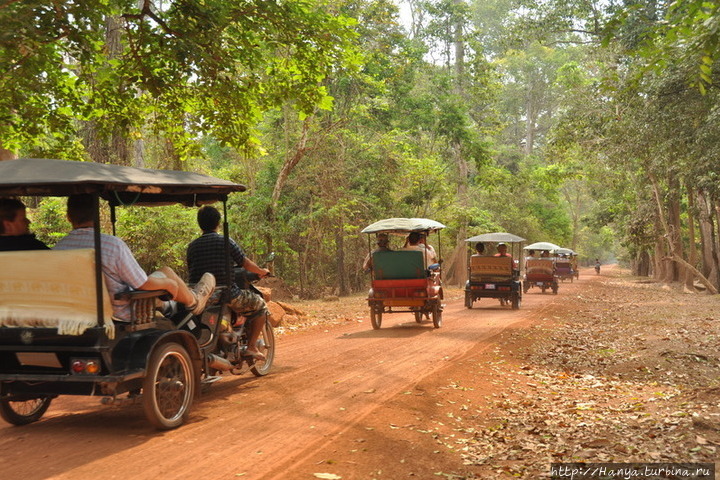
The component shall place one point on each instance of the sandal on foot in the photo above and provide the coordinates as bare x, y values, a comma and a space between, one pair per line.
256, 355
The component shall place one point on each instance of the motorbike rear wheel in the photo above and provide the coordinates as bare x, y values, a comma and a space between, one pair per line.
437, 315
266, 345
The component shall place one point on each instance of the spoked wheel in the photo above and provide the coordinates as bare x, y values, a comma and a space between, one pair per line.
168, 387
23, 412
376, 317
418, 316
555, 289
437, 315
266, 346
468, 300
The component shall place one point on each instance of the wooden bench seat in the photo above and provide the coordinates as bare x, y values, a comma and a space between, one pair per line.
491, 269
51, 289
540, 268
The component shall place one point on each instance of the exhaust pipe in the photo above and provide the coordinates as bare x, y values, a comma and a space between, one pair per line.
218, 363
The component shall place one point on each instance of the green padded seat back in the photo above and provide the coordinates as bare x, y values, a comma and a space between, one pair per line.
400, 264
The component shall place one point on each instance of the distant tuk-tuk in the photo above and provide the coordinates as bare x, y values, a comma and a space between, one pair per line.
404, 280
492, 276
564, 268
540, 268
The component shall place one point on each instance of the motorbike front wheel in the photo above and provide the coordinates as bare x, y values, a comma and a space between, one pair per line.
266, 346
24, 412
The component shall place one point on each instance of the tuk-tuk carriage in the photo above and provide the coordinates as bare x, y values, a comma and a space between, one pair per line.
403, 280
540, 270
494, 276
57, 334
563, 264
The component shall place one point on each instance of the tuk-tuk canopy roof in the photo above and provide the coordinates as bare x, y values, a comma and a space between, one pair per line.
542, 246
117, 184
496, 237
403, 225
565, 251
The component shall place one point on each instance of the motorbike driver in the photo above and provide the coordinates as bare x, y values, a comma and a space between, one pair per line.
207, 254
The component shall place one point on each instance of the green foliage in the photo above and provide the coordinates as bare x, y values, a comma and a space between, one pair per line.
180, 69
158, 236
48, 219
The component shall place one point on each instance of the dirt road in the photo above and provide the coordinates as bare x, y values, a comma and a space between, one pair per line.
328, 384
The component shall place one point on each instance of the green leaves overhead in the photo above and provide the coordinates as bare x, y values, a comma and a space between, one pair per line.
185, 68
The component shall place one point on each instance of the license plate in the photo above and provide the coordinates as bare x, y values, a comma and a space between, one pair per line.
489, 286
539, 284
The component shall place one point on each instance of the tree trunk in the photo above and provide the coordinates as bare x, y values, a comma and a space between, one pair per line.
658, 262
707, 238
340, 246
674, 229
692, 249
6, 154
642, 263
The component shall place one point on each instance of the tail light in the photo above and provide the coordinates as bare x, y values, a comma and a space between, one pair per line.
85, 366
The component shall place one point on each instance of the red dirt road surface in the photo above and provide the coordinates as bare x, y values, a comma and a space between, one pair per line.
337, 405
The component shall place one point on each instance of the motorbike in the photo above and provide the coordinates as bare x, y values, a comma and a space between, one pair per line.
224, 335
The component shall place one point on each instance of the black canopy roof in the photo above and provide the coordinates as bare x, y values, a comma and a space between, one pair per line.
116, 184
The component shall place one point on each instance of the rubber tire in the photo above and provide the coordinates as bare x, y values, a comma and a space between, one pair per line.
555, 289
375, 318
418, 316
543, 288
262, 368
468, 300
26, 412
170, 361
437, 316
515, 301
526, 287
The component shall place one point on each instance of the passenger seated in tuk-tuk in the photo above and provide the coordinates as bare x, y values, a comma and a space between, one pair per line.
432, 256
502, 250
121, 270
480, 249
413, 243
15, 227
383, 245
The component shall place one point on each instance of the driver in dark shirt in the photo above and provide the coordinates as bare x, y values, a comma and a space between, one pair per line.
207, 254
15, 227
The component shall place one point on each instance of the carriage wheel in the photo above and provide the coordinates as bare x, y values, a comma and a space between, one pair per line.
169, 386
24, 412
376, 317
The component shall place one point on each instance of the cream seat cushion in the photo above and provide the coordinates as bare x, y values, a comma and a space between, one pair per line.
51, 288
